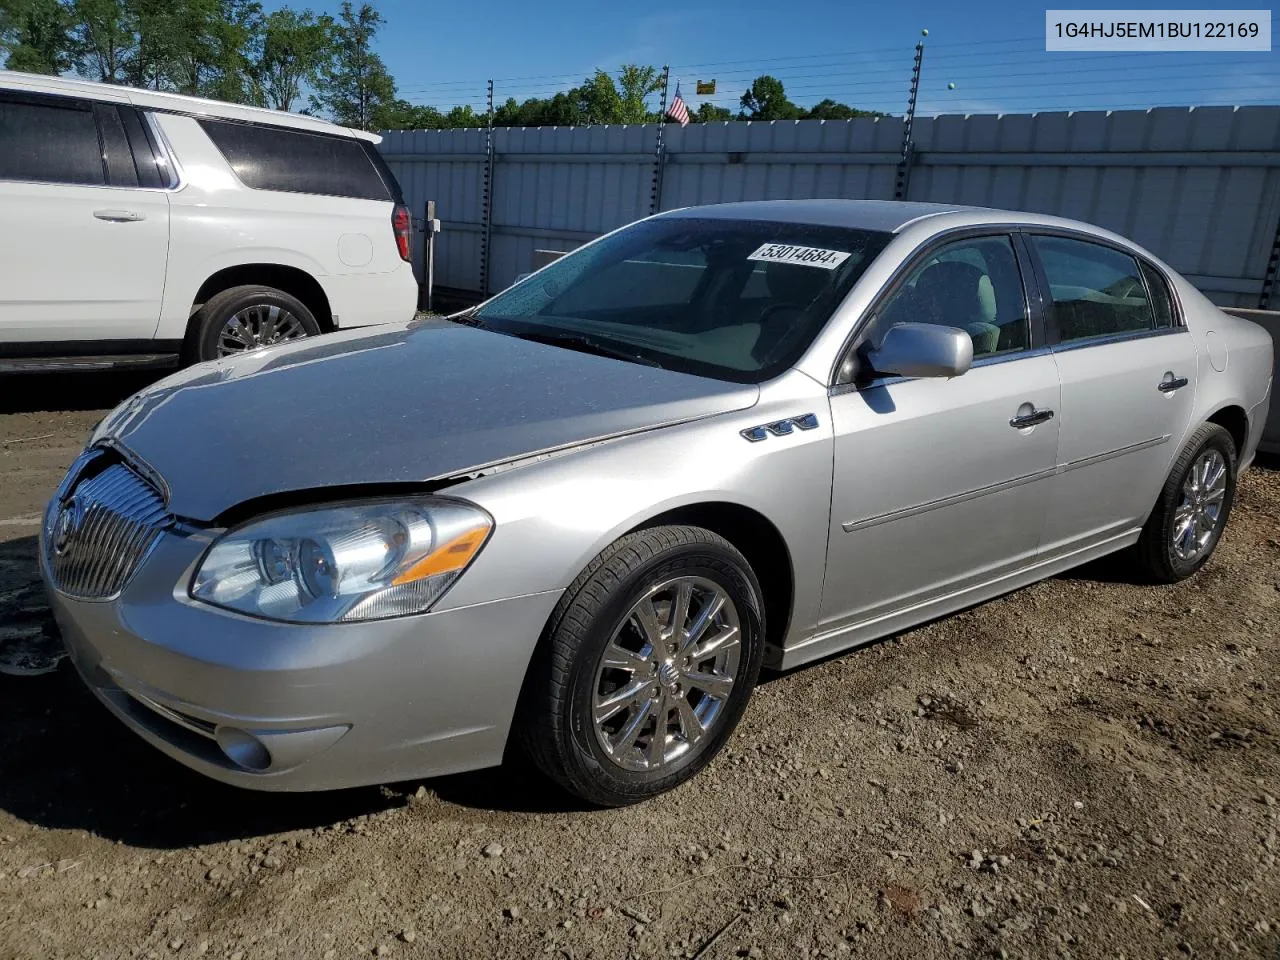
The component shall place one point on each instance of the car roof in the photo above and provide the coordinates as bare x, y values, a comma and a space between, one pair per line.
155, 100
885, 215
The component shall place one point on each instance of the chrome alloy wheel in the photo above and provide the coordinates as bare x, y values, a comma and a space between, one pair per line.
256, 326
1203, 493
666, 674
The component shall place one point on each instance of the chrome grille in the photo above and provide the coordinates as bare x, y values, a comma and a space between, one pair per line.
99, 531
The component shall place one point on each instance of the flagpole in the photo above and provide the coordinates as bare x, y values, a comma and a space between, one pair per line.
660, 153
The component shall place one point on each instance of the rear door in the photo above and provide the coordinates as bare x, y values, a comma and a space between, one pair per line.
1128, 371
83, 241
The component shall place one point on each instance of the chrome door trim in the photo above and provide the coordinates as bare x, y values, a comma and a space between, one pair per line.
1112, 454
852, 526
1106, 339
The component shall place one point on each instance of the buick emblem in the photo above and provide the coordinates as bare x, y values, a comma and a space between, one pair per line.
65, 525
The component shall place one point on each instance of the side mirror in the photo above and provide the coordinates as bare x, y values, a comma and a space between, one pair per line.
922, 350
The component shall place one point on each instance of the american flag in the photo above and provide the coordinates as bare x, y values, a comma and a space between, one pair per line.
679, 110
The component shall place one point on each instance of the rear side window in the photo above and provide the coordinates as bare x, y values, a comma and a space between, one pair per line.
1097, 291
49, 141
1161, 299
115, 147
295, 161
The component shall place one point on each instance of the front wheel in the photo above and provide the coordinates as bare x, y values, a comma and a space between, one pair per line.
1188, 519
647, 666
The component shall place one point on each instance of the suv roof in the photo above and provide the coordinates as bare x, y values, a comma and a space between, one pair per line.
37, 83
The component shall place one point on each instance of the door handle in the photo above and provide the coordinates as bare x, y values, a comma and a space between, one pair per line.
119, 216
1171, 384
1031, 419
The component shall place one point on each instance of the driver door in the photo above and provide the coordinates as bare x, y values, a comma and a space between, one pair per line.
941, 484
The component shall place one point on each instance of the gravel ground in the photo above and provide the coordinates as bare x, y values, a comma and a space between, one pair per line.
1085, 768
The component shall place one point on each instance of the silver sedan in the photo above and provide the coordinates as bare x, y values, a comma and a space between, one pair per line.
585, 514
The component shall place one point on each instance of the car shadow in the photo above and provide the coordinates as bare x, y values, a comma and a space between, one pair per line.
41, 392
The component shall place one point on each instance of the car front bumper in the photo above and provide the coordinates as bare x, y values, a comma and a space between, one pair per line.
274, 706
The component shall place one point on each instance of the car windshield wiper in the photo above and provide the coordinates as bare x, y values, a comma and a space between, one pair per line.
583, 344
468, 318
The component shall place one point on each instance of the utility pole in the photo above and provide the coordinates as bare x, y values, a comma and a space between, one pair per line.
904, 161
660, 150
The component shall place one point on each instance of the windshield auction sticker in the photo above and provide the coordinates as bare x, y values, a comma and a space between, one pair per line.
804, 256
1221, 30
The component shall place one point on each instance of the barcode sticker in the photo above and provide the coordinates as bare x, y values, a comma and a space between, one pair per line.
804, 256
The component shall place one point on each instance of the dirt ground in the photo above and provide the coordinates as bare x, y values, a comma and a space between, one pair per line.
1085, 768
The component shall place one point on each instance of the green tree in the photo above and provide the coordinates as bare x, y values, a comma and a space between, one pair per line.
710, 113
599, 100
401, 115
831, 110
354, 86
637, 83
104, 38
36, 34
295, 48
767, 100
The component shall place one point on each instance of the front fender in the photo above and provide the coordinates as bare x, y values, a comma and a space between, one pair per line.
552, 518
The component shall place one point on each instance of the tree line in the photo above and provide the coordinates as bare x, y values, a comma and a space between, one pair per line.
300, 60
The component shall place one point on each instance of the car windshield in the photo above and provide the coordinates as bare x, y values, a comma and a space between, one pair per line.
737, 300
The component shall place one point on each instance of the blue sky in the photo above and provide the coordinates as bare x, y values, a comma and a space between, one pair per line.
858, 53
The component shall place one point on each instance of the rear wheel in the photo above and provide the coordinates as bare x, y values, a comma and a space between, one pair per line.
247, 318
1188, 519
649, 661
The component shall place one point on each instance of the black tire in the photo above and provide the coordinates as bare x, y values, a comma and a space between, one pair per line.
1156, 555
555, 725
207, 324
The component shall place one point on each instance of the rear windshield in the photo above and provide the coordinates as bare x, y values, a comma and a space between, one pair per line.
738, 300
297, 161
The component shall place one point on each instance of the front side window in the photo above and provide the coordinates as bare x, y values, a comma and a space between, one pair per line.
1097, 291
296, 161
974, 285
49, 142
735, 299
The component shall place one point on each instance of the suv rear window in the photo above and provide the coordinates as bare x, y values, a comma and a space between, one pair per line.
295, 161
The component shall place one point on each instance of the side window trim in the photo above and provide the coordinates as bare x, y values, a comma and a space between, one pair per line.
908, 266
60, 102
1053, 338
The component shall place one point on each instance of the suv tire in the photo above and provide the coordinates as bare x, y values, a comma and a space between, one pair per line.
244, 318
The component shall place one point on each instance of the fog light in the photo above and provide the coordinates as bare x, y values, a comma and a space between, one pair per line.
243, 749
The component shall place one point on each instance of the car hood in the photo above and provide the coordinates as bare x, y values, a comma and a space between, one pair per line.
408, 404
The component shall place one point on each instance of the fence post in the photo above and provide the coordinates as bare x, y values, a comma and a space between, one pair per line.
1269, 278
429, 229
908, 148
660, 150
487, 198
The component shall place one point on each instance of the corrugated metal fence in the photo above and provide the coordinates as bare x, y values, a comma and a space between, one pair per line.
1199, 187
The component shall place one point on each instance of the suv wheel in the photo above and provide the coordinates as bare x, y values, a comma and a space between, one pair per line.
248, 318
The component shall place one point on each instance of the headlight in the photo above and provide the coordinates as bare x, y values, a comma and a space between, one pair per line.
338, 564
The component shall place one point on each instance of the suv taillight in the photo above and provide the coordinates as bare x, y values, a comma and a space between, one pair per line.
402, 226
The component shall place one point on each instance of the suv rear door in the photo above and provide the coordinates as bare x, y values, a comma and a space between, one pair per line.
84, 223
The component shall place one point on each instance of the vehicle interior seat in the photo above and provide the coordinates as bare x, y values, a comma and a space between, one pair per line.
960, 294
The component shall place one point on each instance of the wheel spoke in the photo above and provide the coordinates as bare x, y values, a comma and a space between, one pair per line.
710, 610
679, 612
690, 726
630, 695
647, 620
656, 751
713, 684
721, 641
1213, 496
626, 738
620, 658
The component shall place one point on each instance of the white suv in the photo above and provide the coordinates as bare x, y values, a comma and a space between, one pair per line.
142, 228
